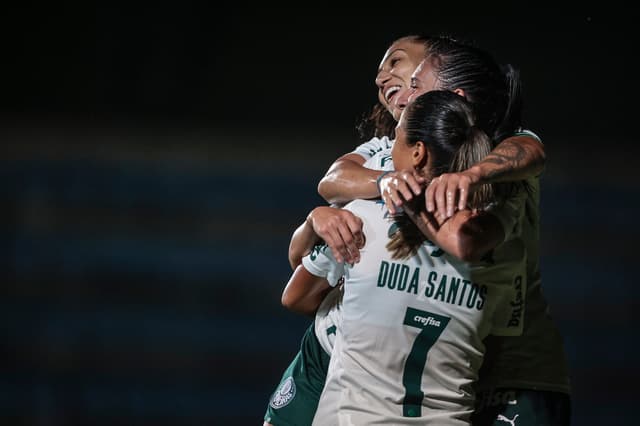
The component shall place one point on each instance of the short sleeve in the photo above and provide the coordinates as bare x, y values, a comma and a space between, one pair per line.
373, 146
380, 161
321, 263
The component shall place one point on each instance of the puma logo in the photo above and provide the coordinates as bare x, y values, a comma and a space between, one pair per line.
512, 422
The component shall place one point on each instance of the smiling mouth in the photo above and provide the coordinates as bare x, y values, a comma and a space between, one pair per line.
390, 93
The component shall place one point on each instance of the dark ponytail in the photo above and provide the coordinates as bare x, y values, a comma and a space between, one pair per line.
447, 124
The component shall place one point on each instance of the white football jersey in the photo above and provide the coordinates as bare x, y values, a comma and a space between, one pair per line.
373, 146
411, 340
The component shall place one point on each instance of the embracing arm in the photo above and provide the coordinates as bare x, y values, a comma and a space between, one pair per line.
304, 292
467, 235
347, 179
515, 158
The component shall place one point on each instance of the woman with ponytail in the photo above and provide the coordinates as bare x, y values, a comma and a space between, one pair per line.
416, 308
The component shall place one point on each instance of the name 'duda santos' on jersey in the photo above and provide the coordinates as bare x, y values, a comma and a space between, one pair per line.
454, 290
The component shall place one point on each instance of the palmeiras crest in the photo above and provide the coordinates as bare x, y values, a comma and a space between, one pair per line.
284, 394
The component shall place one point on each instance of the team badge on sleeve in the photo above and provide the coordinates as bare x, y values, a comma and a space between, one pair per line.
284, 394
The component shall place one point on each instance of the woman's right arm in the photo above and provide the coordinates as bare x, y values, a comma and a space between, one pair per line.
347, 179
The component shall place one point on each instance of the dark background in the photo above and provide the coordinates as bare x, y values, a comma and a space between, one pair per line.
155, 162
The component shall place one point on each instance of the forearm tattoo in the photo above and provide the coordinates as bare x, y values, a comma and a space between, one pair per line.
507, 158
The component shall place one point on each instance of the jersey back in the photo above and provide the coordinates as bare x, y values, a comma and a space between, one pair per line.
411, 339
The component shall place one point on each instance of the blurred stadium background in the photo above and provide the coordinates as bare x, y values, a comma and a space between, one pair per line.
155, 163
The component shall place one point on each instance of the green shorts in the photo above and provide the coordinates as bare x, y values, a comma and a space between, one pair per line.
500, 407
295, 400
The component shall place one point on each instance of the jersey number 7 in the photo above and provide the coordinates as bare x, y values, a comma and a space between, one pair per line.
431, 327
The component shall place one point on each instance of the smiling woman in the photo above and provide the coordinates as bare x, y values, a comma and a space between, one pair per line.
394, 72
